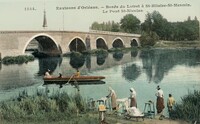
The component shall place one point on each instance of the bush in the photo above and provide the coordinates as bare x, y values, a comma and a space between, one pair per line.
59, 106
188, 108
149, 39
17, 59
101, 51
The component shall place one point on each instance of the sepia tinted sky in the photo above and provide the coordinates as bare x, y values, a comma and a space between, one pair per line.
78, 15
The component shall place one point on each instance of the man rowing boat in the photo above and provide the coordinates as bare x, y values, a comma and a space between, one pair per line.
77, 74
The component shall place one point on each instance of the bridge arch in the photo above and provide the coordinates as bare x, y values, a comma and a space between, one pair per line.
118, 43
134, 43
101, 43
46, 44
77, 44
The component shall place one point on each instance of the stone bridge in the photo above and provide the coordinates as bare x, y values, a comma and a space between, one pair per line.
13, 43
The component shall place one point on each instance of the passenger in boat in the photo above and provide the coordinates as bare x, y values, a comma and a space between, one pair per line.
113, 97
132, 97
60, 75
77, 74
47, 74
160, 101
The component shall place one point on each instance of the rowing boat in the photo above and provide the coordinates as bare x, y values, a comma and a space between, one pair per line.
73, 79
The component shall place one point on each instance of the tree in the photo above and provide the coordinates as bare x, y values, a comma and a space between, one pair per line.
159, 23
147, 25
191, 29
106, 26
130, 24
189, 18
148, 39
195, 18
115, 27
187, 30
95, 26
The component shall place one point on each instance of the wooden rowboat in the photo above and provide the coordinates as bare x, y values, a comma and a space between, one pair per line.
74, 79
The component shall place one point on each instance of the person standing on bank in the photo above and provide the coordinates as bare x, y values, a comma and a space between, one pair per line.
160, 100
133, 102
113, 97
170, 102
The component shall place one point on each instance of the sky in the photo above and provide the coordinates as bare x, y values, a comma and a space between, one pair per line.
78, 15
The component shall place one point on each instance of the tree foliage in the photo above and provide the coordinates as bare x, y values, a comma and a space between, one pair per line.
176, 31
148, 39
106, 26
155, 27
147, 25
188, 108
130, 24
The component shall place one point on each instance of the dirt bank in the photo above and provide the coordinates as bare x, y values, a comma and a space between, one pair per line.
113, 119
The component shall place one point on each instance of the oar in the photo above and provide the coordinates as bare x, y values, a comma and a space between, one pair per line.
75, 82
76, 85
70, 79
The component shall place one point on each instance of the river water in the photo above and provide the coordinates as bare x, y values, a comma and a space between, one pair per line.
175, 70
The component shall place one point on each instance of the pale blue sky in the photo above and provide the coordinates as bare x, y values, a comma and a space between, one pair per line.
14, 16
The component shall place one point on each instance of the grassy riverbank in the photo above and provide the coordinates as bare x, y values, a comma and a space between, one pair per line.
177, 44
62, 108
59, 107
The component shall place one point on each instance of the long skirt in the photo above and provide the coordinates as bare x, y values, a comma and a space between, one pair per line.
133, 103
114, 102
160, 104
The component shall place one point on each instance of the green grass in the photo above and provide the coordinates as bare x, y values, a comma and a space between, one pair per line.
40, 108
175, 44
64, 108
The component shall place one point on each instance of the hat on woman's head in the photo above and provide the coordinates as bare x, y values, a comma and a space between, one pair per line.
131, 89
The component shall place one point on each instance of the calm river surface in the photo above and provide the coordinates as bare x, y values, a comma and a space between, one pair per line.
175, 70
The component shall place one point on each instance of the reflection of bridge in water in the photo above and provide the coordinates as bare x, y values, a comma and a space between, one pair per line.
15, 76
154, 63
92, 63
14, 43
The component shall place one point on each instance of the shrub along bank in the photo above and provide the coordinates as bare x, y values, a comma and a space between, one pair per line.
188, 108
42, 108
17, 59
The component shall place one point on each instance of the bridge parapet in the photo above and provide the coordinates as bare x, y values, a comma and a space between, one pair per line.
115, 33
90, 32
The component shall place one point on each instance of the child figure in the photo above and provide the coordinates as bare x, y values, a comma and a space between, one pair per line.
170, 102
